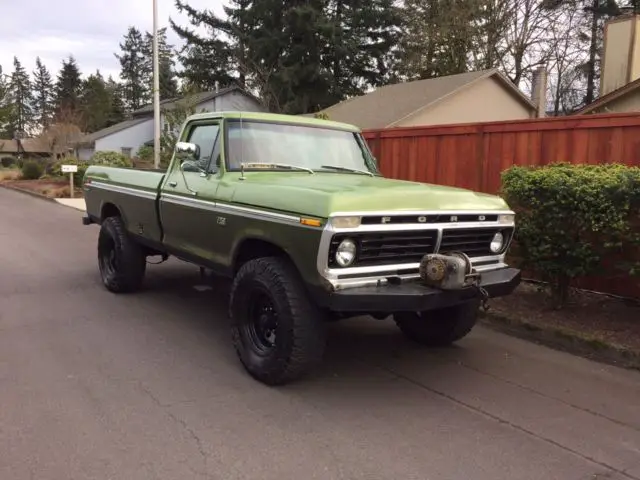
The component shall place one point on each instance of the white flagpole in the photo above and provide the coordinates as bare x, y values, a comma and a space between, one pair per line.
156, 90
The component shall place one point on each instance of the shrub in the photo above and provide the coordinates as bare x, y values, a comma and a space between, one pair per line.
8, 162
32, 170
112, 159
572, 218
145, 153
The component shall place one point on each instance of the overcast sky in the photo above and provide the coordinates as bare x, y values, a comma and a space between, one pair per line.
90, 30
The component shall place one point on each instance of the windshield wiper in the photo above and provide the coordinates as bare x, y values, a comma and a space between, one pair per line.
276, 165
345, 169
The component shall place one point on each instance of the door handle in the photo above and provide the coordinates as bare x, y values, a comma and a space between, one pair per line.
173, 184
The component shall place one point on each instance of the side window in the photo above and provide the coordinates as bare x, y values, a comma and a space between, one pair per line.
205, 137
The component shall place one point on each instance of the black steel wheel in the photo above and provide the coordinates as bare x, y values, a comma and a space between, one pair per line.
121, 260
278, 334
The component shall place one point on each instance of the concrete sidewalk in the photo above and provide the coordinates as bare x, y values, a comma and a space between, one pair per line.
77, 203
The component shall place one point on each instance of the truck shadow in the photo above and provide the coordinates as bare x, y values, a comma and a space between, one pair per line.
355, 347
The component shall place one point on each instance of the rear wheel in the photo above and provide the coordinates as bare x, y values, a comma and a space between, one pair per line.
277, 333
121, 260
438, 328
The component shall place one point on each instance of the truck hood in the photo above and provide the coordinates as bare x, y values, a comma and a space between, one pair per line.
322, 194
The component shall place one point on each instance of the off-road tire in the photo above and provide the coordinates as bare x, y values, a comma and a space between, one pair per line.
121, 260
438, 328
300, 334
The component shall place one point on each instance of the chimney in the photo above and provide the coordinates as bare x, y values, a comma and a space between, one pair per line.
539, 91
621, 58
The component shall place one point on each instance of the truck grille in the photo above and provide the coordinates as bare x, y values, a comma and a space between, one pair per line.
401, 247
387, 248
472, 241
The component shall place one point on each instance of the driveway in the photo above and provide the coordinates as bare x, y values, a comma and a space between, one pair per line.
146, 386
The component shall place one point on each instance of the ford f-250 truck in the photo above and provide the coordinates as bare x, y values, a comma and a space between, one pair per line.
295, 211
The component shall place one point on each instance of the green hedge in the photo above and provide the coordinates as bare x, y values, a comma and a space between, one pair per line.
112, 159
573, 219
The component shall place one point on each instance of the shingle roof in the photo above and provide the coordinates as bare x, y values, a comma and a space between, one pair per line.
89, 140
29, 145
610, 97
388, 105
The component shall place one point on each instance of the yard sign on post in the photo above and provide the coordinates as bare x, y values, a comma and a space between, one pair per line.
70, 169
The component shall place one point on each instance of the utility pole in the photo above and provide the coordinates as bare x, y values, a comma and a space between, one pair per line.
156, 90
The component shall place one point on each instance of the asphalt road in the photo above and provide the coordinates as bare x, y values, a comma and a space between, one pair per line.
97, 386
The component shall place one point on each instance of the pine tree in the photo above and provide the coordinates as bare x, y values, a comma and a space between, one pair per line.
67, 90
166, 64
134, 73
21, 101
207, 60
44, 106
117, 112
363, 36
95, 103
5, 106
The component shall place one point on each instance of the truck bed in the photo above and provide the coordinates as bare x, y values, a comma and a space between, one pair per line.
132, 192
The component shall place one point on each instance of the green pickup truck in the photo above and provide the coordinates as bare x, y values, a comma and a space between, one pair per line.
296, 213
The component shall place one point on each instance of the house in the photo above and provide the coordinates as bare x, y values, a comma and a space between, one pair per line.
481, 96
128, 136
620, 77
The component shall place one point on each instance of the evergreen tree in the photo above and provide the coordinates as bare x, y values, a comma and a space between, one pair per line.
166, 64
95, 103
20, 100
44, 105
363, 36
134, 73
5, 106
207, 60
67, 90
117, 112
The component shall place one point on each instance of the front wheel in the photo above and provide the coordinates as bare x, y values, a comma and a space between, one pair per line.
438, 328
121, 260
277, 333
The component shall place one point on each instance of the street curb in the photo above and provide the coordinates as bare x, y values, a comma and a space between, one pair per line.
28, 192
563, 339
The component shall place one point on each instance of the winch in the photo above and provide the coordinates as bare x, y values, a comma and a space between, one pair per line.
448, 271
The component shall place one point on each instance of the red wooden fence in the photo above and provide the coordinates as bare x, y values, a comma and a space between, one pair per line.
473, 156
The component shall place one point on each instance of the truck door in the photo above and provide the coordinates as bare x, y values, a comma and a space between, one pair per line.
188, 197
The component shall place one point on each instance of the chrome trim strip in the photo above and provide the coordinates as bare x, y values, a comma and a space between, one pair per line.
188, 202
119, 189
208, 205
216, 207
260, 214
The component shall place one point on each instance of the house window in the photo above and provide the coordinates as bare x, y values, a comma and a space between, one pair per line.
126, 151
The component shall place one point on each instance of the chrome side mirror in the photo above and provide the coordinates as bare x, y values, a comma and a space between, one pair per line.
187, 151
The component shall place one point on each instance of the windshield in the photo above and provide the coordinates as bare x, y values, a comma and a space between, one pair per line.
307, 147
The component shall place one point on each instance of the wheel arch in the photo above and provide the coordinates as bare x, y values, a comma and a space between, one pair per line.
252, 247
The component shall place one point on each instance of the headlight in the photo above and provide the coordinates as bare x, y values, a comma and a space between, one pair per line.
497, 243
346, 253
